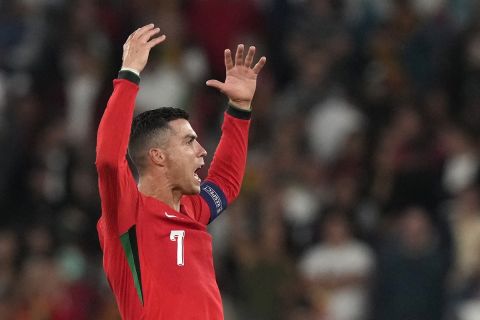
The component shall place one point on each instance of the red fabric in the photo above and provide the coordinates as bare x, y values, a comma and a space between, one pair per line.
169, 291
228, 164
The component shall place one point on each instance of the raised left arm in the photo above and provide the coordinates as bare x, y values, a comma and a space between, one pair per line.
227, 169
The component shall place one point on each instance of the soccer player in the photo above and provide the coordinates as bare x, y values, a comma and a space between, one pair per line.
157, 253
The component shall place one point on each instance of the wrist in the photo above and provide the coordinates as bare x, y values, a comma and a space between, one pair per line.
239, 113
242, 105
134, 70
129, 75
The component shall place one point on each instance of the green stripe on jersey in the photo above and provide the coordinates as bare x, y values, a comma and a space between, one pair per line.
129, 243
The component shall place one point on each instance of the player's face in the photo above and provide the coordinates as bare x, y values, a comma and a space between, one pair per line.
184, 157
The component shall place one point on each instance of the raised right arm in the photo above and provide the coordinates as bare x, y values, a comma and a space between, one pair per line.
114, 129
117, 187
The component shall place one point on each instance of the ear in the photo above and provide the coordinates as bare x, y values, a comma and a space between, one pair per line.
157, 156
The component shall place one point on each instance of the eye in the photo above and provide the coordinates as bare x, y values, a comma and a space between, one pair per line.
190, 141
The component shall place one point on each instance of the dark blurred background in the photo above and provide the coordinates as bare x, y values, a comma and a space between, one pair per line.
361, 197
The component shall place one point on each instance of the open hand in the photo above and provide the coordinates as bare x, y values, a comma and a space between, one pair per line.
241, 78
137, 47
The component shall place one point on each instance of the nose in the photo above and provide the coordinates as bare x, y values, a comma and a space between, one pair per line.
201, 151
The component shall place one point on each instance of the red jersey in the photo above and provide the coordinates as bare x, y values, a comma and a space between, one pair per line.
158, 261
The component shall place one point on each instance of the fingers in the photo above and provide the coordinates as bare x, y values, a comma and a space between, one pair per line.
152, 43
147, 35
228, 59
144, 35
141, 31
249, 58
137, 47
239, 55
215, 84
259, 65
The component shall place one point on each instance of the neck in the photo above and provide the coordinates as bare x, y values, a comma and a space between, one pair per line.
160, 189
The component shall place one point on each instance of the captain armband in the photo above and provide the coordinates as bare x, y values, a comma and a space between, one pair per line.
215, 198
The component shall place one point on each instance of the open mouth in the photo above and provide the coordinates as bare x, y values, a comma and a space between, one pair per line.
195, 175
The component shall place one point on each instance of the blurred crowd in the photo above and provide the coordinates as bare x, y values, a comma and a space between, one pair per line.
361, 199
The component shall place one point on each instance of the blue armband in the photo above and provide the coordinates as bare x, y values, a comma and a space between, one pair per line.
215, 198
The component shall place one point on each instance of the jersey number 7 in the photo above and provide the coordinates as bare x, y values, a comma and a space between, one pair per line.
178, 236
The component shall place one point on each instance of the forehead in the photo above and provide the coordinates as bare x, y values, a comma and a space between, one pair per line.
181, 128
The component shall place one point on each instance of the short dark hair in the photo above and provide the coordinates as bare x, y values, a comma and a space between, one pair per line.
146, 128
